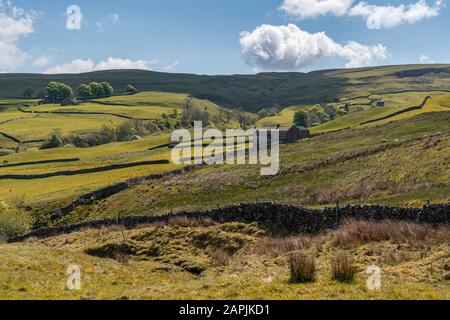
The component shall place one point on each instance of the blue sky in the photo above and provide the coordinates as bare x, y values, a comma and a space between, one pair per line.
207, 36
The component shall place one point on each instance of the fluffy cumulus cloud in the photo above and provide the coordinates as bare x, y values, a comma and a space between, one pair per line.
304, 9
42, 61
283, 48
87, 65
76, 66
383, 17
376, 16
14, 24
117, 63
11, 56
74, 17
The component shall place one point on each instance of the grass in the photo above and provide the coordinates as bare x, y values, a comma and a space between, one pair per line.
161, 99
394, 103
29, 126
397, 232
391, 164
55, 188
12, 101
342, 268
14, 221
359, 112
41, 126
164, 259
142, 112
302, 267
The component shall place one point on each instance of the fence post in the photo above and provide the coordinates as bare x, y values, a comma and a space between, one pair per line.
338, 218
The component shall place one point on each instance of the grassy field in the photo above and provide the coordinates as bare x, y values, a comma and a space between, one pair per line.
31, 126
42, 190
359, 112
163, 99
393, 164
12, 101
236, 261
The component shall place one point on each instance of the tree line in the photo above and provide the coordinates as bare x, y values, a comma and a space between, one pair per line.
59, 91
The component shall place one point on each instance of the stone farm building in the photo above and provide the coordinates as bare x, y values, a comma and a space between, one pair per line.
290, 134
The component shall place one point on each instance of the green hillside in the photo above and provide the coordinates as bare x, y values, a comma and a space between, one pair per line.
252, 92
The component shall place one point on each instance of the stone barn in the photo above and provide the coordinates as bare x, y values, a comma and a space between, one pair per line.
290, 134
380, 103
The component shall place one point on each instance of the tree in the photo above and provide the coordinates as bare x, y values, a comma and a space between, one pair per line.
108, 90
65, 91
84, 91
301, 118
58, 91
28, 93
54, 142
96, 89
130, 89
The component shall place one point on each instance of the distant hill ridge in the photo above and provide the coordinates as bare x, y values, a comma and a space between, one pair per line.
251, 92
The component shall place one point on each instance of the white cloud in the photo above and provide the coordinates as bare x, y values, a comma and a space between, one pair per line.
283, 48
42, 61
117, 63
81, 65
304, 9
376, 16
425, 59
74, 17
114, 18
11, 56
383, 17
171, 66
14, 23
76, 66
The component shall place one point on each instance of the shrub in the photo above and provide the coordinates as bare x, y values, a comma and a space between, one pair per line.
125, 131
54, 142
130, 89
5, 152
13, 221
301, 118
220, 257
302, 267
342, 268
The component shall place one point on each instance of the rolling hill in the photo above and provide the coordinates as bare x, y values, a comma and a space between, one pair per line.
253, 92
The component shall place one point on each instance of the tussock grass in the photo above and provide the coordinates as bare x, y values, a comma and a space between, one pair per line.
342, 268
220, 257
302, 268
14, 221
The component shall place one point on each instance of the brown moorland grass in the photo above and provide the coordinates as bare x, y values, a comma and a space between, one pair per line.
357, 231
